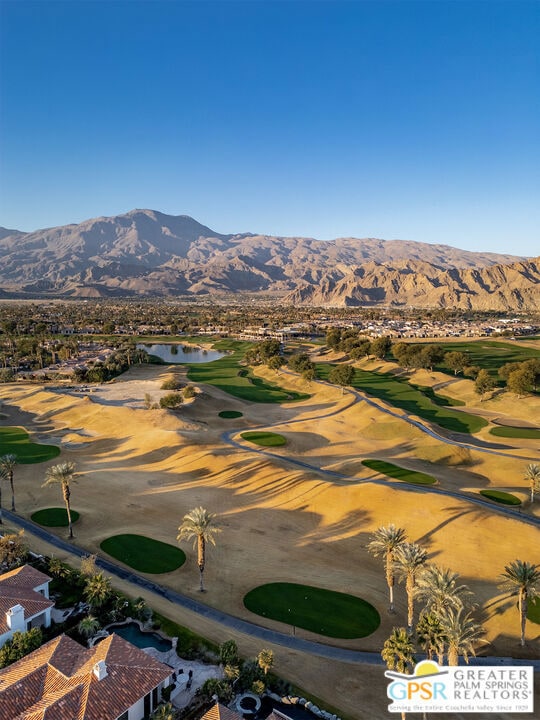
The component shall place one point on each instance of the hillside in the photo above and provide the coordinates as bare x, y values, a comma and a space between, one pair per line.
148, 253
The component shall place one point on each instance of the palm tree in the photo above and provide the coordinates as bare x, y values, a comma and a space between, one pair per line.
64, 474
97, 590
532, 475
265, 660
462, 633
199, 525
385, 541
430, 635
2, 477
438, 588
88, 626
409, 560
164, 712
7, 465
521, 578
398, 652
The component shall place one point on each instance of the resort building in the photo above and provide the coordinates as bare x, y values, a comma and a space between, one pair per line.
62, 680
24, 601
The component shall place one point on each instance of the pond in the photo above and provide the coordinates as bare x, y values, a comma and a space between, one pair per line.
133, 634
176, 353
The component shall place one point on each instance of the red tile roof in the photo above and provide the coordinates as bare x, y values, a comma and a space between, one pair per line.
16, 588
57, 682
220, 712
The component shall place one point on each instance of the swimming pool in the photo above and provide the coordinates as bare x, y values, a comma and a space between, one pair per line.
133, 634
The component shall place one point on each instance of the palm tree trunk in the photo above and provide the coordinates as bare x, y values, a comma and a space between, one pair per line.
390, 581
67, 493
523, 606
12, 492
1, 521
201, 558
452, 656
410, 603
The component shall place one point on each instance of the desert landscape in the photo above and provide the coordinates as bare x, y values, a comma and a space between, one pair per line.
140, 470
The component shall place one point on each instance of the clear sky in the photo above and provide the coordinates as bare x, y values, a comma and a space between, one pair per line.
410, 120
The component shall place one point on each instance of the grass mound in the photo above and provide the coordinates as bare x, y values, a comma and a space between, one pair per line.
230, 414
227, 375
144, 554
533, 611
16, 440
266, 439
399, 473
515, 432
401, 394
325, 612
501, 497
54, 517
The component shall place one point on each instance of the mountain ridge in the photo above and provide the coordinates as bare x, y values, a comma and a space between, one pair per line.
146, 252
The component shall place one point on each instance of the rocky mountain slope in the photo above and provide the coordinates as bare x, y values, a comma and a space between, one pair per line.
149, 253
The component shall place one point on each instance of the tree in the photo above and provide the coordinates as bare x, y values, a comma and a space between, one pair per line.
430, 635
409, 560
430, 355
200, 525
7, 467
164, 712
520, 381
13, 550
385, 541
341, 375
522, 578
483, 383
266, 660
456, 361
275, 362
62, 474
532, 475
88, 626
439, 590
97, 590
398, 652
22, 644
380, 347
461, 632
88, 565
228, 652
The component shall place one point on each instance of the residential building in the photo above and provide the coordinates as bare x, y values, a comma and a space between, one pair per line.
24, 601
62, 680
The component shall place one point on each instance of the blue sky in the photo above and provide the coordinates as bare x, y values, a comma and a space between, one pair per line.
410, 120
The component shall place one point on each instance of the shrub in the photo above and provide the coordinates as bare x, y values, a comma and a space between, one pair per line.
189, 392
171, 400
172, 383
22, 644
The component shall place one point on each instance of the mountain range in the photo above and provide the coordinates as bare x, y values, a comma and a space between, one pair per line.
148, 253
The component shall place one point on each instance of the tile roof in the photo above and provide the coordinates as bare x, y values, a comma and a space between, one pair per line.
56, 681
220, 712
17, 588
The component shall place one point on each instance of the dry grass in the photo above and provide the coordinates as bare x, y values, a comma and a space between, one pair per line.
142, 470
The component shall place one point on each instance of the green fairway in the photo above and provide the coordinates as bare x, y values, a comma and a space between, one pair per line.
15, 440
401, 394
437, 398
489, 354
228, 375
533, 611
324, 612
515, 432
144, 554
264, 438
54, 517
501, 497
230, 414
399, 473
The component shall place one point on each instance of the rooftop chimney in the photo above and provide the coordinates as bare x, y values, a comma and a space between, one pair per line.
100, 669
15, 618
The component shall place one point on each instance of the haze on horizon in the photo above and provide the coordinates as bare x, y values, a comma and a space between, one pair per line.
410, 120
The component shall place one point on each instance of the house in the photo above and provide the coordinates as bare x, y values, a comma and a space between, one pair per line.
62, 680
221, 712
24, 601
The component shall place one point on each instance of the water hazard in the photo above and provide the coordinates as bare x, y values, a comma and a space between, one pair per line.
176, 353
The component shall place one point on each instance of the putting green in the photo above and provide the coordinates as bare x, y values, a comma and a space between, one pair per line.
501, 497
54, 517
16, 440
143, 553
515, 432
266, 439
324, 612
230, 414
399, 473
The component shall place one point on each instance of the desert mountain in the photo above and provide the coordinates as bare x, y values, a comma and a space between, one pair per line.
145, 252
